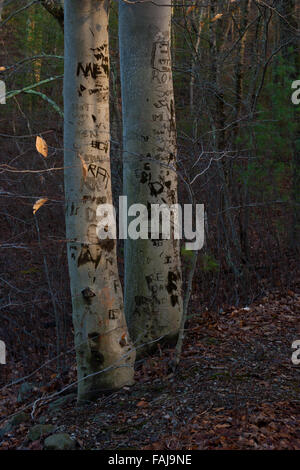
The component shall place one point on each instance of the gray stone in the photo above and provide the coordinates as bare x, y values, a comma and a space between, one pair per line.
60, 441
61, 401
5, 429
19, 418
42, 419
37, 431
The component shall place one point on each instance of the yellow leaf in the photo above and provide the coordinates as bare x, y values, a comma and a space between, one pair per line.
39, 203
217, 17
41, 146
84, 167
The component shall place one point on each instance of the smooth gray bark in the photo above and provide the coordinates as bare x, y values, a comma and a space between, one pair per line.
153, 299
101, 336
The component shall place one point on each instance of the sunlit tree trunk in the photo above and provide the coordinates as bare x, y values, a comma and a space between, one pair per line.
101, 336
153, 300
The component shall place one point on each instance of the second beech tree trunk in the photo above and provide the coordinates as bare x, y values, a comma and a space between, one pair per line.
101, 337
153, 299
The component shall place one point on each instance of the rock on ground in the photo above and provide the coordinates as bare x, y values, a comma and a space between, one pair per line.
60, 441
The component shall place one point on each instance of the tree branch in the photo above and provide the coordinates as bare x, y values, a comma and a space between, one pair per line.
56, 9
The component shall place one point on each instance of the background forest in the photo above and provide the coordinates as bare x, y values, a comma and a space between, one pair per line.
238, 136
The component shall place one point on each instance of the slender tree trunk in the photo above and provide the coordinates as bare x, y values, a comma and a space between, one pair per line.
1, 8
101, 336
153, 298
244, 10
195, 63
218, 124
242, 21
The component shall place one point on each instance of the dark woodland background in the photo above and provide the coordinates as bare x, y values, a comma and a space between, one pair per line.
238, 145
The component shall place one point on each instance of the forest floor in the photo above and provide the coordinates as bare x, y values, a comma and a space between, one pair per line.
236, 388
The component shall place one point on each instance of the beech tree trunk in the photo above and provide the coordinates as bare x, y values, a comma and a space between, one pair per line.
104, 354
153, 280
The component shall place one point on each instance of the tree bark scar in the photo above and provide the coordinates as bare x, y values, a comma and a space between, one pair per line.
107, 245
87, 293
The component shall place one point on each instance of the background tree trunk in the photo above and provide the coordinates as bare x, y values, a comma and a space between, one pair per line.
153, 298
289, 37
56, 9
1, 8
101, 336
